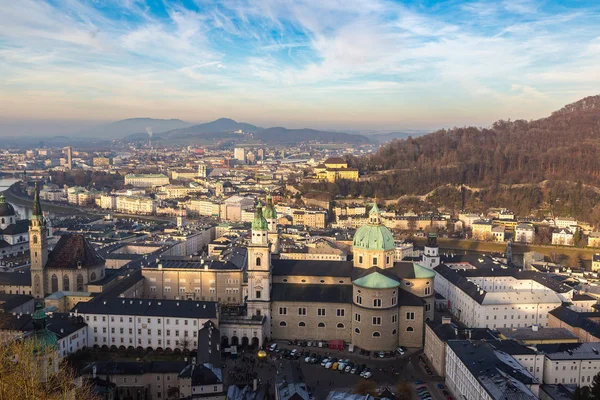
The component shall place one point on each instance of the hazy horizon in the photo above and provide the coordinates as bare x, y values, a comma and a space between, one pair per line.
342, 65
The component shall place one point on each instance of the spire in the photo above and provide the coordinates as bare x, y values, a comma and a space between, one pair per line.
37, 208
259, 223
374, 217
39, 317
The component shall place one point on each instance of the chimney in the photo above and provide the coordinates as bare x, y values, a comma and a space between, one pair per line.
255, 384
535, 327
94, 372
446, 320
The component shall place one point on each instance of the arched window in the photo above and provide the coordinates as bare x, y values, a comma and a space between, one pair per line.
301, 324
357, 331
80, 283
376, 302
387, 260
394, 332
340, 325
321, 325
282, 323
258, 261
34, 239
410, 329
358, 300
2, 220
54, 283
66, 283
93, 277
427, 290
376, 334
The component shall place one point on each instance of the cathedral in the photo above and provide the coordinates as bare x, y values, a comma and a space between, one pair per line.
371, 301
70, 266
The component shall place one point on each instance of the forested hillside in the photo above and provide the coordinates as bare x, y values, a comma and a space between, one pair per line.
563, 149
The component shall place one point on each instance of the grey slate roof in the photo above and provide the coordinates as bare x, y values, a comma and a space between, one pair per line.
20, 278
497, 372
312, 268
571, 351
150, 308
541, 334
311, 293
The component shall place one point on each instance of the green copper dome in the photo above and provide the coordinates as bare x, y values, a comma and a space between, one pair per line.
376, 280
259, 223
43, 339
270, 212
422, 272
374, 235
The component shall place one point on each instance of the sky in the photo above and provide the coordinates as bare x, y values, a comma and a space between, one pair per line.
337, 64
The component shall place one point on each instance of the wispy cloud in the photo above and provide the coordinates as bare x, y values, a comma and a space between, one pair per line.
296, 61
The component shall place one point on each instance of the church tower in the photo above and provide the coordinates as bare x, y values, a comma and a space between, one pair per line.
431, 252
38, 248
270, 215
259, 270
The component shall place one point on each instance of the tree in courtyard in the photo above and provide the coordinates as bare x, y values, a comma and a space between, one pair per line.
185, 344
365, 387
588, 392
575, 260
404, 391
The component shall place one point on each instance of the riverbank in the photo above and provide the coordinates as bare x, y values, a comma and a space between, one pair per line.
18, 200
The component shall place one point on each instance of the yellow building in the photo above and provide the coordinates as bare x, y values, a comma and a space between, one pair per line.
334, 169
335, 162
335, 174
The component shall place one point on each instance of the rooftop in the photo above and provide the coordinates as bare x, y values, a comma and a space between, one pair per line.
151, 308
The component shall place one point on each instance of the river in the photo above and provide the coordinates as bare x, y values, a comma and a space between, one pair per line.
24, 212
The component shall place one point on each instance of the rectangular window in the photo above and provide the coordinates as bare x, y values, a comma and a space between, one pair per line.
394, 318
258, 294
301, 311
376, 320
357, 317
410, 315
374, 260
282, 310
321, 312
340, 312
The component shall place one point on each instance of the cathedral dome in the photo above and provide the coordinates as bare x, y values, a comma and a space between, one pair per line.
270, 212
6, 209
259, 223
374, 235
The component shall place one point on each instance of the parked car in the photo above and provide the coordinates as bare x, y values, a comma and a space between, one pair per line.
381, 354
349, 367
400, 351
367, 374
354, 368
273, 347
307, 359
324, 361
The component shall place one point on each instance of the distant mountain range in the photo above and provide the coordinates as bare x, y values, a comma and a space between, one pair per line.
124, 127
225, 129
